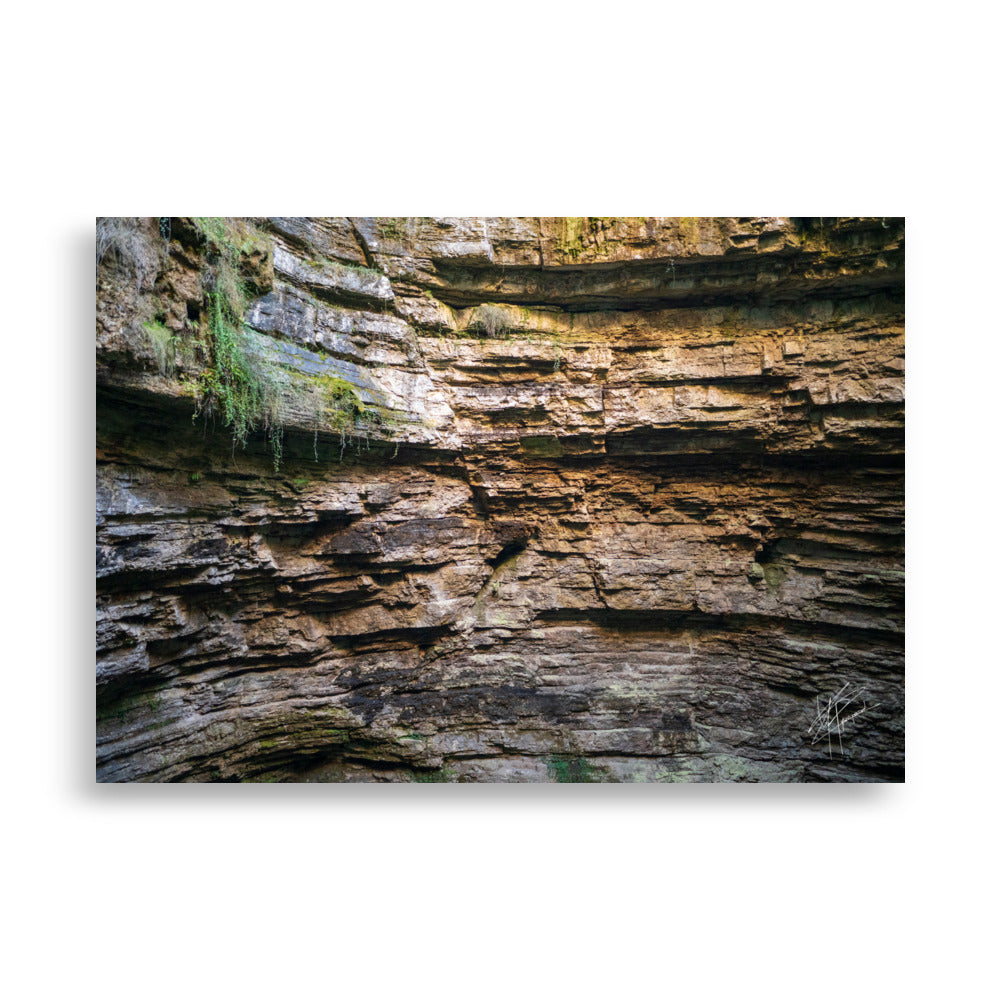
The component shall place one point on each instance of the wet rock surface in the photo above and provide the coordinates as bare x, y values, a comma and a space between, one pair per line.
634, 501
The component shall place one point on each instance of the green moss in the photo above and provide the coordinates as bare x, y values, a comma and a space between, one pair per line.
571, 237
391, 227
121, 709
689, 229
341, 404
164, 346
232, 236
302, 737
317, 265
370, 271
242, 385
734, 768
337, 406
576, 235
542, 446
569, 770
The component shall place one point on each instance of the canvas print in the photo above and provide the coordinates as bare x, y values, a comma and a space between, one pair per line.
525, 499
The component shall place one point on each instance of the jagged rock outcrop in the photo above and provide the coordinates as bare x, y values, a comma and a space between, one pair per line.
558, 499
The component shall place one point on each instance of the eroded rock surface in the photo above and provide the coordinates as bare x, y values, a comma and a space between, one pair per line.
633, 501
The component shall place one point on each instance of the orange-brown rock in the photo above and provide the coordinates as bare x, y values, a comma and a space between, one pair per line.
632, 502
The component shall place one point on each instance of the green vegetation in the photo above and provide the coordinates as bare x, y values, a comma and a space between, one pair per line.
164, 346
391, 228
774, 576
232, 236
360, 267
341, 405
346, 265
577, 234
335, 404
131, 247
398, 227
240, 384
570, 769
491, 321
121, 709
689, 228
572, 236
542, 446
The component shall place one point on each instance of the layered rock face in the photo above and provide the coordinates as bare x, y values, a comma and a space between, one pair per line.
612, 500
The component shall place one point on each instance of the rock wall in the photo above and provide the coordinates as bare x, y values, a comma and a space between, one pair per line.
613, 500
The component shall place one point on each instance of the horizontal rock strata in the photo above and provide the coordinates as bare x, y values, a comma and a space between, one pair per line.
614, 500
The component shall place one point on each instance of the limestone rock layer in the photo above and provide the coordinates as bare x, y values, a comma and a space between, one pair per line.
612, 500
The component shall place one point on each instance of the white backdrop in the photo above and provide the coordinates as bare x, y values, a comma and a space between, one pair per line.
561, 891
